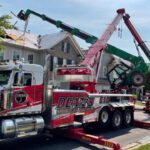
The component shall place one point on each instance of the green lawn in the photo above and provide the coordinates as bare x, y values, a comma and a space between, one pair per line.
144, 147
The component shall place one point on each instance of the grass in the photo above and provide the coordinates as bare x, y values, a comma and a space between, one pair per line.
143, 147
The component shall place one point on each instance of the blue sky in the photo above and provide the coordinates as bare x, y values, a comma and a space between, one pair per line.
92, 16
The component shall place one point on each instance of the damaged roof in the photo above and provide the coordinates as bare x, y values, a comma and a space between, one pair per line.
35, 42
21, 38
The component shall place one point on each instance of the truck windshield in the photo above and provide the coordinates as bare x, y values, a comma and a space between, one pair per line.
4, 76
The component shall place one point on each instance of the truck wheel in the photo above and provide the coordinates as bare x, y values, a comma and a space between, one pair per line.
117, 119
104, 117
128, 118
137, 79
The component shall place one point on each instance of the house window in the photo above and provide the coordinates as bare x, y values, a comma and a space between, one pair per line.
69, 62
22, 79
65, 47
68, 47
60, 61
30, 58
27, 79
1, 55
16, 55
51, 63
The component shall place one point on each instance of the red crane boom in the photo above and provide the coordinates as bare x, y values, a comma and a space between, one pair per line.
93, 55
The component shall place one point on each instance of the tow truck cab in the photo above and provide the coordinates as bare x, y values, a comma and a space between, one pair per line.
20, 87
21, 91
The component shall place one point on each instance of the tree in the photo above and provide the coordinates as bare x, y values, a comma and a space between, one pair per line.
4, 23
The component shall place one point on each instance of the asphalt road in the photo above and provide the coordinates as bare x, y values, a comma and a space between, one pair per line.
128, 136
123, 136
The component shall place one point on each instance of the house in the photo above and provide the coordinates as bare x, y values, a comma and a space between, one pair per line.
61, 46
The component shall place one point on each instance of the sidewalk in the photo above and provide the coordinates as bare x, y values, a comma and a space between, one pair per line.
139, 105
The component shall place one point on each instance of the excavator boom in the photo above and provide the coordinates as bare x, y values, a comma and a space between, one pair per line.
59, 24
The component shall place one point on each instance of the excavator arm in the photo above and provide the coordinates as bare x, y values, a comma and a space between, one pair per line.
59, 24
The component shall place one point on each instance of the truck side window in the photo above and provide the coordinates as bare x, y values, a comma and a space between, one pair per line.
27, 81
16, 79
24, 79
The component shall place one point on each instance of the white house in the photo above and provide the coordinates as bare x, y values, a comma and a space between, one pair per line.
62, 47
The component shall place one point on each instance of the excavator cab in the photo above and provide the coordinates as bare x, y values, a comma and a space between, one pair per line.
121, 74
117, 74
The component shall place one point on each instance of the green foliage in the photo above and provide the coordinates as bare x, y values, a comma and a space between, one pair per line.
4, 23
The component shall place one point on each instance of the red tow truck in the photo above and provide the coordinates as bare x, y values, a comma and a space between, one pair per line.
31, 103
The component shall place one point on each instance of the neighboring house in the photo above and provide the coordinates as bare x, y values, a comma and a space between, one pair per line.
61, 46
103, 83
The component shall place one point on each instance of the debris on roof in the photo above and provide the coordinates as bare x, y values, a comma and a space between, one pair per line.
32, 41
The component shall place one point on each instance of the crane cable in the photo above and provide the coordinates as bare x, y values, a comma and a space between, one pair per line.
137, 48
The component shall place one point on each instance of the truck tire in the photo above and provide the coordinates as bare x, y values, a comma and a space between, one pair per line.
128, 118
116, 119
137, 79
104, 117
